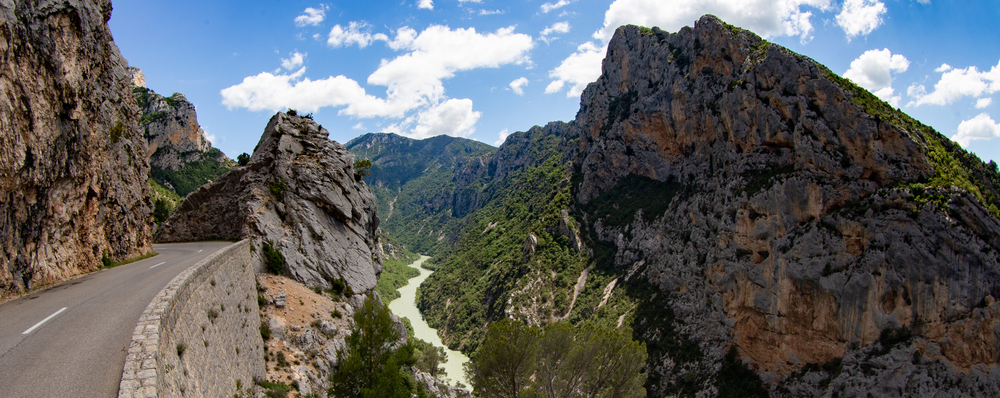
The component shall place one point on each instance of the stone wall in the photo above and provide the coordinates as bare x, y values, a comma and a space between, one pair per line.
200, 335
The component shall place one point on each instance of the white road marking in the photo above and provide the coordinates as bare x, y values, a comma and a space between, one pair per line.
43, 321
199, 251
157, 265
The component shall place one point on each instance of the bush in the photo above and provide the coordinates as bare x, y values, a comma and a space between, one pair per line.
362, 169
243, 159
278, 190
273, 259
162, 209
265, 331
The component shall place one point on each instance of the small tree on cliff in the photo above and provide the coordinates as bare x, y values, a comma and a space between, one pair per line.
371, 366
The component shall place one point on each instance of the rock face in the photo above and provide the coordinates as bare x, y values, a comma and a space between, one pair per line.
763, 224
792, 216
180, 155
72, 159
299, 192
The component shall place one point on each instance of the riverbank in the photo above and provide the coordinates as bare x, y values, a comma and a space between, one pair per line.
406, 306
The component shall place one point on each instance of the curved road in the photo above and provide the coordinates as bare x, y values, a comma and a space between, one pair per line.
79, 350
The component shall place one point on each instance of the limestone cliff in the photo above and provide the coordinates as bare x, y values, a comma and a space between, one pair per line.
789, 214
180, 156
299, 192
73, 162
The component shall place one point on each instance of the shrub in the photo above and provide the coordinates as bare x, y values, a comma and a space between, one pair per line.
362, 169
117, 131
265, 331
278, 190
243, 159
162, 209
273, 259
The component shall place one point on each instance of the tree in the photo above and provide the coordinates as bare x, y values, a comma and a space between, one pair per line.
430, 359
558, 361
162, 209
362, 169
371, 366
243, 159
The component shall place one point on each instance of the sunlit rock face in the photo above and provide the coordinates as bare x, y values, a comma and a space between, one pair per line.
73, 164
789, 216
300, 192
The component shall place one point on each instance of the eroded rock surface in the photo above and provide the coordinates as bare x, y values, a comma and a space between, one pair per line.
72, 159
299, 193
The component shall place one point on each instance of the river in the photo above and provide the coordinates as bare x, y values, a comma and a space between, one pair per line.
406, 306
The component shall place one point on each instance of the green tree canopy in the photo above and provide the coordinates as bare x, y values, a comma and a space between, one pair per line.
558, 361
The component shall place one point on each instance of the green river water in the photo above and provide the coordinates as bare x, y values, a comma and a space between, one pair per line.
406, 306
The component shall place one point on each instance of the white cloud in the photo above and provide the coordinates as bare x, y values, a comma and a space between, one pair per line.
312, 16
414, 80
427, 4
765, 17
558, 27
493, 12
860, 17
518, 84
873, 69
981, 127
357, 33
957, 83
579, 69
294, 61
924, 1
943, 68
359, 126
453, 117
470, 1
503, 137
886, 94
983, 102
552, 6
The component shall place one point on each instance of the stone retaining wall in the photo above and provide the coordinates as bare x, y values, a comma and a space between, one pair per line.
200, 335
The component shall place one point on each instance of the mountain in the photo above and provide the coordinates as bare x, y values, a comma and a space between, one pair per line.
180, 156
73, 191
762, 224
417, 185
301, 202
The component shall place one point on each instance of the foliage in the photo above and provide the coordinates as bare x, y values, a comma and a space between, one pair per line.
193, 174
117, 131
429, 358
362, 169
265, 331
396, 273
278, 189
274, 389
273, 259
162, 209
736, 380
157, 192
557, 361
242, 159
372, 365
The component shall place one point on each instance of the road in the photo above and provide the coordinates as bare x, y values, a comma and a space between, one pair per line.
79, 350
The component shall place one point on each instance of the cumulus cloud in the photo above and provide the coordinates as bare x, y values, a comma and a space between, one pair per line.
312, 16
427, 4
552, 6
943, 68
873, 70
981, 127
294, 61
518, 85
983, 102
503, 137
860, 17
558, 27
579, 69
413, 80
356, 33
956, 84
210, 137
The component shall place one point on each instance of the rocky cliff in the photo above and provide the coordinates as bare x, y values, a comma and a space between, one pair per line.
73, 162
300, 194
764, 225
180, 156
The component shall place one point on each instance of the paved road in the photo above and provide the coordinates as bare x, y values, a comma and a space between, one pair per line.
80, 350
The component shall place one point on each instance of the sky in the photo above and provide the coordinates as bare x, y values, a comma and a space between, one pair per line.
482, 69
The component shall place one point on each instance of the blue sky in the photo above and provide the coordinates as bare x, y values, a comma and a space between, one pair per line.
481, 69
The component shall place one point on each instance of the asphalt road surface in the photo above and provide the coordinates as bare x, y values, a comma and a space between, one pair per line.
70, 340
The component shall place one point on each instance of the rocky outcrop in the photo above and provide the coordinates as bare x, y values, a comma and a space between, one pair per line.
180, 156
791, 215
73, 162
300, 194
